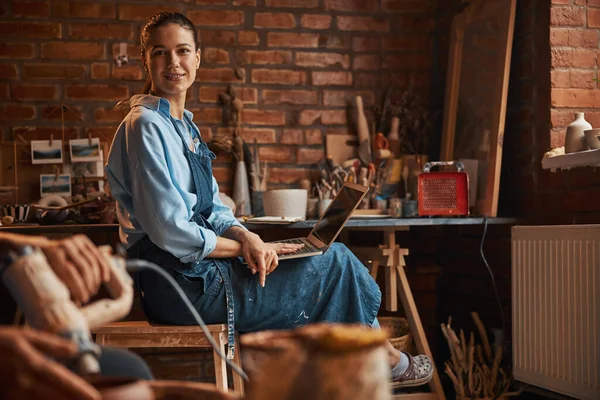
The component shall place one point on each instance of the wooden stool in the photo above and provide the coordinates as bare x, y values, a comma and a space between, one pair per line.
132, 334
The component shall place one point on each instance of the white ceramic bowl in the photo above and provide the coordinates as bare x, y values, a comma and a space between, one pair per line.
592, 138
285, 203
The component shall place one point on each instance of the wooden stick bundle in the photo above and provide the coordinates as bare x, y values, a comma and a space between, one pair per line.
473, 368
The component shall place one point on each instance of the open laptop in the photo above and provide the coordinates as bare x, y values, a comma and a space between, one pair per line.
330, 224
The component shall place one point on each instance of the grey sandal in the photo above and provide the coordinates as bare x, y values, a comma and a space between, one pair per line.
419, 372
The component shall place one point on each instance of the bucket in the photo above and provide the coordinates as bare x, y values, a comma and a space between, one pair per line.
285, 203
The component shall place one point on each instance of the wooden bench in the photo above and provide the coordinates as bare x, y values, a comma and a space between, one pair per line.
138, 334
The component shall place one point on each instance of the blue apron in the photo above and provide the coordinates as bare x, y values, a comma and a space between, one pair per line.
333, 287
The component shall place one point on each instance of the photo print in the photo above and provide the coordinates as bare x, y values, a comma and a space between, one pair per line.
46, 152
52, 184
83, 150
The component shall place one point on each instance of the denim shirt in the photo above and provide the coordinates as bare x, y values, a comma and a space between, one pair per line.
151, 180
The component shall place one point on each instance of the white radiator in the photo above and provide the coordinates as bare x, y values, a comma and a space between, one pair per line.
556, 308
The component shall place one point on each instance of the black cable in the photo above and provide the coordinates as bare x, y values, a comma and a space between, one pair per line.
485, 225
137, 265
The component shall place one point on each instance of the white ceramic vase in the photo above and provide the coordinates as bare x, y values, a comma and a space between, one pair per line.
241, 191
574, 137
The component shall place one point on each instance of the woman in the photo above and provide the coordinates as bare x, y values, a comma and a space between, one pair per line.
160, 173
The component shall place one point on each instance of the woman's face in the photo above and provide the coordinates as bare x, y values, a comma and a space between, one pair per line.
172, 60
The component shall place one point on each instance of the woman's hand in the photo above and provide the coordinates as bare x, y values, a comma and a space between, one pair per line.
78, 264
27, 371
263, 257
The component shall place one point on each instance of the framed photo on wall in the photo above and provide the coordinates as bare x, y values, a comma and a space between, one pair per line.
53, 184
83, 150
46, 152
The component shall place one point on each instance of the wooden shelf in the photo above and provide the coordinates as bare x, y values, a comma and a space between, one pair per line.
579, 159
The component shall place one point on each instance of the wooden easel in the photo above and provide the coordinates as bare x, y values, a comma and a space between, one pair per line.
397, 284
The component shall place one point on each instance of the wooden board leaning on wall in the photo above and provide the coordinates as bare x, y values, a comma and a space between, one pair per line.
26, 175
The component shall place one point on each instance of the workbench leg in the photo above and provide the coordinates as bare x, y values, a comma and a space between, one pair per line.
416, 327
390, 250
374, 268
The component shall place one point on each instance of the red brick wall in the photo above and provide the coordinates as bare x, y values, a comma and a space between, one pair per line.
555, 58
303, 60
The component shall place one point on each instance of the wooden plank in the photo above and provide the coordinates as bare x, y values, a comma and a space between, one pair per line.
142, 327
141, 340
220, 365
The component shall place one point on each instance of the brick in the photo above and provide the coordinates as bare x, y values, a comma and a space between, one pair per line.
414, 22
213, 55
289, 97
324, 78
109, 115
366, 62
100, 31
567, 16
340, 98
274, 20
406, 42
210, 94
100, 70
277, 154
313, 136
53, 71
292, 3
289, 176
248, 38
79, 9
53, 113
8, 71
132, 51
212, 2
577, 58
131, 12
261, 135
72, 51
278, 76
364, 44
21, 29
366, 80
367, 6
593, 17
13, 112
251, 3
31, 8
34, 92
575, 98
315, 21
207, 115
96, 92
309, 156
217, 37
368, 24
4, 95
127, 72
292, 136
572, 79
264, 57
44, 132
574, 37
263, 117
326, 117
407, 60
408, 6
284, 39
333, 41
216, 75
16, 50
216, 18
323, 60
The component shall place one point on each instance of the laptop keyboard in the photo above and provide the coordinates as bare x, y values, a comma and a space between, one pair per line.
308, 247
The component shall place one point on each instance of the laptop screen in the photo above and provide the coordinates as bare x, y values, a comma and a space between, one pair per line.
336, 215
